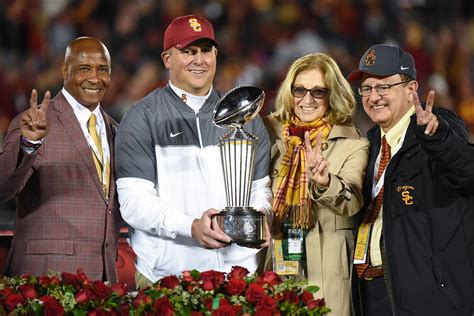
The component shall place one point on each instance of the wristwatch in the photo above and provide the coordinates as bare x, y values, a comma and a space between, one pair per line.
33, 146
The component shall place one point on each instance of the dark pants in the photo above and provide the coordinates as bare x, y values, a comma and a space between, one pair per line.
374, 297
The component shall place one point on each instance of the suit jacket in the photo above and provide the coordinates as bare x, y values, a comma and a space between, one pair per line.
63, 221
330, 244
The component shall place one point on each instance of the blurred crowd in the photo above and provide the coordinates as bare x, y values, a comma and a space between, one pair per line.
258, 40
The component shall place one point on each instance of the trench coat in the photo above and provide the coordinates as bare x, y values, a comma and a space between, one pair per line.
330, 244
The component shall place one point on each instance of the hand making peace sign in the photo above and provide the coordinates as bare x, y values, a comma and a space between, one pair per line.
34, 125
318, 167
426, 117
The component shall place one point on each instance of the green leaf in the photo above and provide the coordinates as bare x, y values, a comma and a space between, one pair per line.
215, 303
312, 288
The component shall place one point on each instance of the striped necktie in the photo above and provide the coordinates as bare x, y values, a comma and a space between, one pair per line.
99, 156
371, 217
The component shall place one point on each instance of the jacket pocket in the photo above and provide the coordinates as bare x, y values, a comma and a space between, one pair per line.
445, 284
49, 246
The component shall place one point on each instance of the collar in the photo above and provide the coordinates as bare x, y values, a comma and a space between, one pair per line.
395, 134
82, 113
193, 101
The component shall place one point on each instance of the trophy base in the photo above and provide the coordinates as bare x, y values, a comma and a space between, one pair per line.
245, 225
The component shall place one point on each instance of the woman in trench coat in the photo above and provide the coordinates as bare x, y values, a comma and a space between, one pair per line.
318, 166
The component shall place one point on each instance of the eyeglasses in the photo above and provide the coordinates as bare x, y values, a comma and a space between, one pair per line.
381, 89
317, 93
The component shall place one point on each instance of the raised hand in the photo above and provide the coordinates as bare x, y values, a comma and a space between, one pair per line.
34, 124
206, 231
426, 116
317, 166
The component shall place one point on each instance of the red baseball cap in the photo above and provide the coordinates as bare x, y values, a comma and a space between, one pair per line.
186, 29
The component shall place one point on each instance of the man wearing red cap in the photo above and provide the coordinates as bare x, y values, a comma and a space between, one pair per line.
415, 244
169, 172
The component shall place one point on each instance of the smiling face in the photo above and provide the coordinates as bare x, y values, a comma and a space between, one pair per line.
387, 110
308, 109
86, 71
192, 68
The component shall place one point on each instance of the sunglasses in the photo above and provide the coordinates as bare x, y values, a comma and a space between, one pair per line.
317, 93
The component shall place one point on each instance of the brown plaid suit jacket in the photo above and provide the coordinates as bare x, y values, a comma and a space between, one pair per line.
63, 220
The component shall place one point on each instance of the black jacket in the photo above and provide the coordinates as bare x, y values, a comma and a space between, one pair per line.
428, 219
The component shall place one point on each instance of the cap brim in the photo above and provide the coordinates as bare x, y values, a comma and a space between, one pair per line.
191, 40
355, 75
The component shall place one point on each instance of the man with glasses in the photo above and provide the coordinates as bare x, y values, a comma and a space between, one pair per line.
415, 248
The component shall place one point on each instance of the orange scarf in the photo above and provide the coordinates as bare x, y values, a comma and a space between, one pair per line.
291, 197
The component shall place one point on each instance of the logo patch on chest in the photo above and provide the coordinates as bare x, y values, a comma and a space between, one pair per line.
406, 194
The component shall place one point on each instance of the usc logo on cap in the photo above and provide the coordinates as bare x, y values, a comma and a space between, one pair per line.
195, 25
370, 58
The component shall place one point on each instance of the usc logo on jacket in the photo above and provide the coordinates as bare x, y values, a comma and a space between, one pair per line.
405, 193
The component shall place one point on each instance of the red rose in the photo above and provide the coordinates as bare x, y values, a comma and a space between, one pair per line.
254, 293
12, 300
51, 306
316, 303
124, 309
82, 275
100, 312
71, 279
211, 279
279, 297
85, 295
235, 286
226, 310
119, 288
162, 306
266, 303
44, 280
207, 302
291, 296
187, 277
169, 282
306, 296
270, 278
262, 312
194, 313
238, 273
100, 289
141, 299
28, 291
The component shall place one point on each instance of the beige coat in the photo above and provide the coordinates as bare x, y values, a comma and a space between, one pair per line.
330, 245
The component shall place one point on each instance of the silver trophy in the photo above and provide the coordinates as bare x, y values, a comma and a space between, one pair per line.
244, 224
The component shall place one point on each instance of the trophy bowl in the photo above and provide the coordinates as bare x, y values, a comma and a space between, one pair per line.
238, 106
244, 224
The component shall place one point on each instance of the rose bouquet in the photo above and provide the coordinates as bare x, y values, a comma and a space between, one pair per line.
193, 293
71, 294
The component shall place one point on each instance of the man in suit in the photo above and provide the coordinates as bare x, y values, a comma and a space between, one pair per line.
415, 245
57, 162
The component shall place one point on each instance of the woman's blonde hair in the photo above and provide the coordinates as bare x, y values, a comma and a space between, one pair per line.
341, 98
